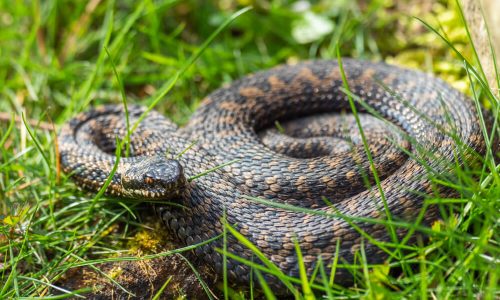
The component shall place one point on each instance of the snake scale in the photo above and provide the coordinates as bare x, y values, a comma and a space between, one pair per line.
293, 141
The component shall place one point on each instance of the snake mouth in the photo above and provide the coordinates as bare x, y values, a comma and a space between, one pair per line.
154, 194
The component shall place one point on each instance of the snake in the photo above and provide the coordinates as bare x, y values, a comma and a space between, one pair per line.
308, 163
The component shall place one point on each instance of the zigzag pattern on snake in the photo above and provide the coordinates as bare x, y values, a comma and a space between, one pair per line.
314, 158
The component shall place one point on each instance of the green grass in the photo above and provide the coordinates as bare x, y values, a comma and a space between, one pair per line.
57, 58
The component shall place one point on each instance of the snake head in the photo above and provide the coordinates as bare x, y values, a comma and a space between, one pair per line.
151, 178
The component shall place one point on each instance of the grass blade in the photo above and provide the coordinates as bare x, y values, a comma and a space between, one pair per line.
265, 288
306, 288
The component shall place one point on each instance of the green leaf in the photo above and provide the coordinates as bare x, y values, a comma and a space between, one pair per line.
311, 27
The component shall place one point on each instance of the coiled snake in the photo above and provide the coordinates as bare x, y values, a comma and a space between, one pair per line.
292, 140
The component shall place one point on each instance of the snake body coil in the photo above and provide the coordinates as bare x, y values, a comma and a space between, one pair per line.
293, 141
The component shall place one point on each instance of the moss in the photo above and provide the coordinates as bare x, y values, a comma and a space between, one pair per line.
425, 51
150, 238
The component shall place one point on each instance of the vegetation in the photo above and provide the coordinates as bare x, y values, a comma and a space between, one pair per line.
57, 58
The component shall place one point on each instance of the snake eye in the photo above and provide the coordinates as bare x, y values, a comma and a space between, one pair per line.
148, 180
